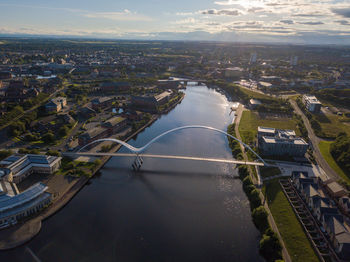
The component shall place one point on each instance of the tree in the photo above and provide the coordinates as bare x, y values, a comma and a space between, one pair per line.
5, 153
254, 198
52, 153
48, 137
259, 215
63, 131
270, 246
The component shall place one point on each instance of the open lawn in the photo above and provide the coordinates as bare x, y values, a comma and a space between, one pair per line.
325, 151
248, 127
332, 124
294, 237
255, 95
269, 171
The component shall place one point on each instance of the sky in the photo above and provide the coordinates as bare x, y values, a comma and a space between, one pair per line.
283, 21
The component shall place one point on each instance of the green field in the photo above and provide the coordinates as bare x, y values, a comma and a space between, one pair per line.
294, 237
255, 95
269, 171
325, 151
332, 124
248, 127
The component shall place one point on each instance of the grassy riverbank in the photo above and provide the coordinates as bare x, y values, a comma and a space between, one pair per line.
297, 244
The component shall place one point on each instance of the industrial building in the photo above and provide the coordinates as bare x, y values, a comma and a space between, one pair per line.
279, 142
151, 102
312, 104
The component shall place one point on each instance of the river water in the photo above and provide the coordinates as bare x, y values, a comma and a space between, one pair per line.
172, 210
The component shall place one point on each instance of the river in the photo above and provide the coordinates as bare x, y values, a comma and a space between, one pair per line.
172, 210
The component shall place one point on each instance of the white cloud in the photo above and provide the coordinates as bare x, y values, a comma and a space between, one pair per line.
125, 15
233, 12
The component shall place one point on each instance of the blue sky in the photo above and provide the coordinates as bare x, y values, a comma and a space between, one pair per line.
298, 21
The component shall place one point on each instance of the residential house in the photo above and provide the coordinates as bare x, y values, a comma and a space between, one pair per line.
336, 190
344, 203
56, 104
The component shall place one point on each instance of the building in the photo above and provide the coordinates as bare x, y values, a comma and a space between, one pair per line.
335, 190
86, 112
15, 207
109, 87
234, 72
253, 58
294, 61
150, 102
56, 104
101, 102
92, 135
5, 75
325, 211
115, 124
254, 103
278, 142
21, 166
312, 104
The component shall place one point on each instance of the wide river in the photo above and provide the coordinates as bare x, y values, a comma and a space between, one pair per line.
172, 210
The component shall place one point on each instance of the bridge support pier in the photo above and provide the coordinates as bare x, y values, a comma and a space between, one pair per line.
136, 165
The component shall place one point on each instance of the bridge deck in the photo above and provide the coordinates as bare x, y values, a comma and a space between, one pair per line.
230, 161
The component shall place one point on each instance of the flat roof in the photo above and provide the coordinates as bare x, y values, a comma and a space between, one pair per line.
266, 129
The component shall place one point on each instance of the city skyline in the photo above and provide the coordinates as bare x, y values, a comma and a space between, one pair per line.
282, 21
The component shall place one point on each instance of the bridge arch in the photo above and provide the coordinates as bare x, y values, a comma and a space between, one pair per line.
139, 150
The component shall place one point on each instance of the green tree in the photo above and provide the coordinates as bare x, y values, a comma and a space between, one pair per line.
48, 137
259, 215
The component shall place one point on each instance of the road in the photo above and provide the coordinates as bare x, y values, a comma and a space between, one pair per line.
314, 142
230, 161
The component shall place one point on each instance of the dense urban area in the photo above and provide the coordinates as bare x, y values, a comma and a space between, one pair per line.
58, 96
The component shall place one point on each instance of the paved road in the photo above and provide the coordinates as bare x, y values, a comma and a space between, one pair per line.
314, 143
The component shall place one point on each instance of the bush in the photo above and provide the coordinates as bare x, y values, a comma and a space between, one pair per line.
259, 215
243, 171
247, 181
48, 137
52, 153
5, 153
270, 246
254, 198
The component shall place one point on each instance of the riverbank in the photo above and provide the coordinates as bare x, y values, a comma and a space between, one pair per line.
22, 233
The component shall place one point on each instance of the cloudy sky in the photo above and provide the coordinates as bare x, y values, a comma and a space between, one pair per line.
297, 21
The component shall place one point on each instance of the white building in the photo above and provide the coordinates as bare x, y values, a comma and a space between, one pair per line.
14, 207
312, 104
253, 58
20, 166
294, 61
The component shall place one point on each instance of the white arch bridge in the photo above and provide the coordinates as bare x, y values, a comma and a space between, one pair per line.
135, 151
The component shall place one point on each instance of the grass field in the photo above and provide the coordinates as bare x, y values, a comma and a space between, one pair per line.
269, 171
294, 237
255, 95
248, 127
332, 124
325, 151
